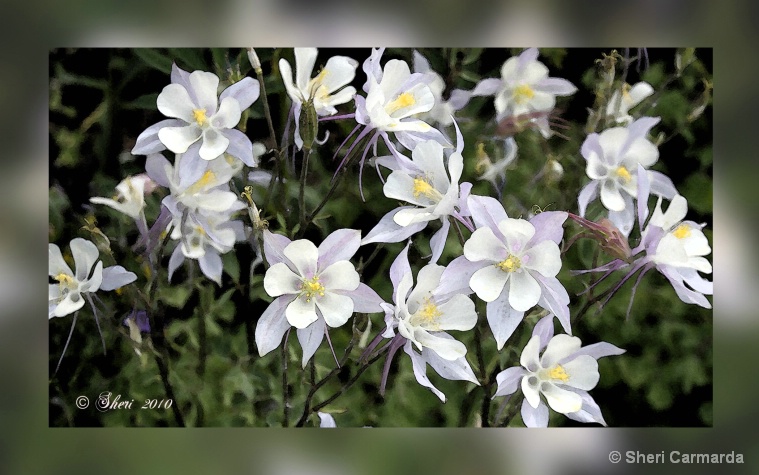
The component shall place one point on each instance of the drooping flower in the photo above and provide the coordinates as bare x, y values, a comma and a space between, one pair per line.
314, 288
68, 295
612, 159
325, 91
562, 376
202, 122
130, 195
423, 183
422, 319
525, 89
670, 244
512, 265
620, 103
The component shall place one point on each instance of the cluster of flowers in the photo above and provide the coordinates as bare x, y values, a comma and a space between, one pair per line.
510, 263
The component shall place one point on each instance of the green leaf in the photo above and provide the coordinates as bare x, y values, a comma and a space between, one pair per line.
155, 59
174, 296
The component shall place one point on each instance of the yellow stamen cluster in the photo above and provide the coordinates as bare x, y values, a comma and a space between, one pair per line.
429, 312
404, 100
523, 94
423, 187
200, 116
311, 288
682, 231
624, 174
204, 181
558, 373
510, 264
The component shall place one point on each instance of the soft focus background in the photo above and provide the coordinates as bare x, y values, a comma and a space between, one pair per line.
28, 446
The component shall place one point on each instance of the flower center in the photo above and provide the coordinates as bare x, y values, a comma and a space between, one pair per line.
510, 264
200, 116
557, 373
423, 187
404, 100
207, 179
523, 94
682, 231
65, 281
429, 312
312, 288
624, 174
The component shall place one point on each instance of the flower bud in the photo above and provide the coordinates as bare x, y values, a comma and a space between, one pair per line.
308, 124
608, 236
254, 61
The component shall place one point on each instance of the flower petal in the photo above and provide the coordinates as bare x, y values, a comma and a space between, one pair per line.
453, 370
280, 280
508, 380
524, 292
365, 299
419, 365
335, 308
559, 348
214, 144
272, 325
115, 277
70, 304
488, 283
301, 313
341, 275
446, 348
56, 264
534, 416
340, 245
483, 245
457, 314
304, 255
245, 92
174, 101
544, 257
148, 142
561, 400
85, 255
228, 115
582, 372
211, 265
304, 66
310, 338
205, 86
611, 197
179, 139
503, 319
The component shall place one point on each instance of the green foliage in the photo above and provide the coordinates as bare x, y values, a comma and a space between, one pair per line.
203, 334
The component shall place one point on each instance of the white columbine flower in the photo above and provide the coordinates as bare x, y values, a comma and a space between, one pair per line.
424, 183
524, 88
512, 265
67, 296
620, 104
202, 124
130, 195
422, 320
325, 91
314, 288
563, 375
612, 159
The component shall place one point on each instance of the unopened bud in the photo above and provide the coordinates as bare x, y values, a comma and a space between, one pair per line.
553, 171
308, 124
608, 236
254, 61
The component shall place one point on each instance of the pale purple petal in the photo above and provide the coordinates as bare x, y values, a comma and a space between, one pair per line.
400, 267
534, 417
211, 266
555, 299
341, 245
179, 139
459, 98
177, 258
437, 242
158, 169
503, 319
240, 147
456, 370
636, 131
274, 246
596, 350
590, 412
487, 212
544, 330
310, 338
148, 142
272, 325
115, 277
592, 146
191, 166
420, 371
508, 380
455, 278
661, 184
487, 87
388, 231
548, 226
365, 300
555, 86
643, 193
245, 91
